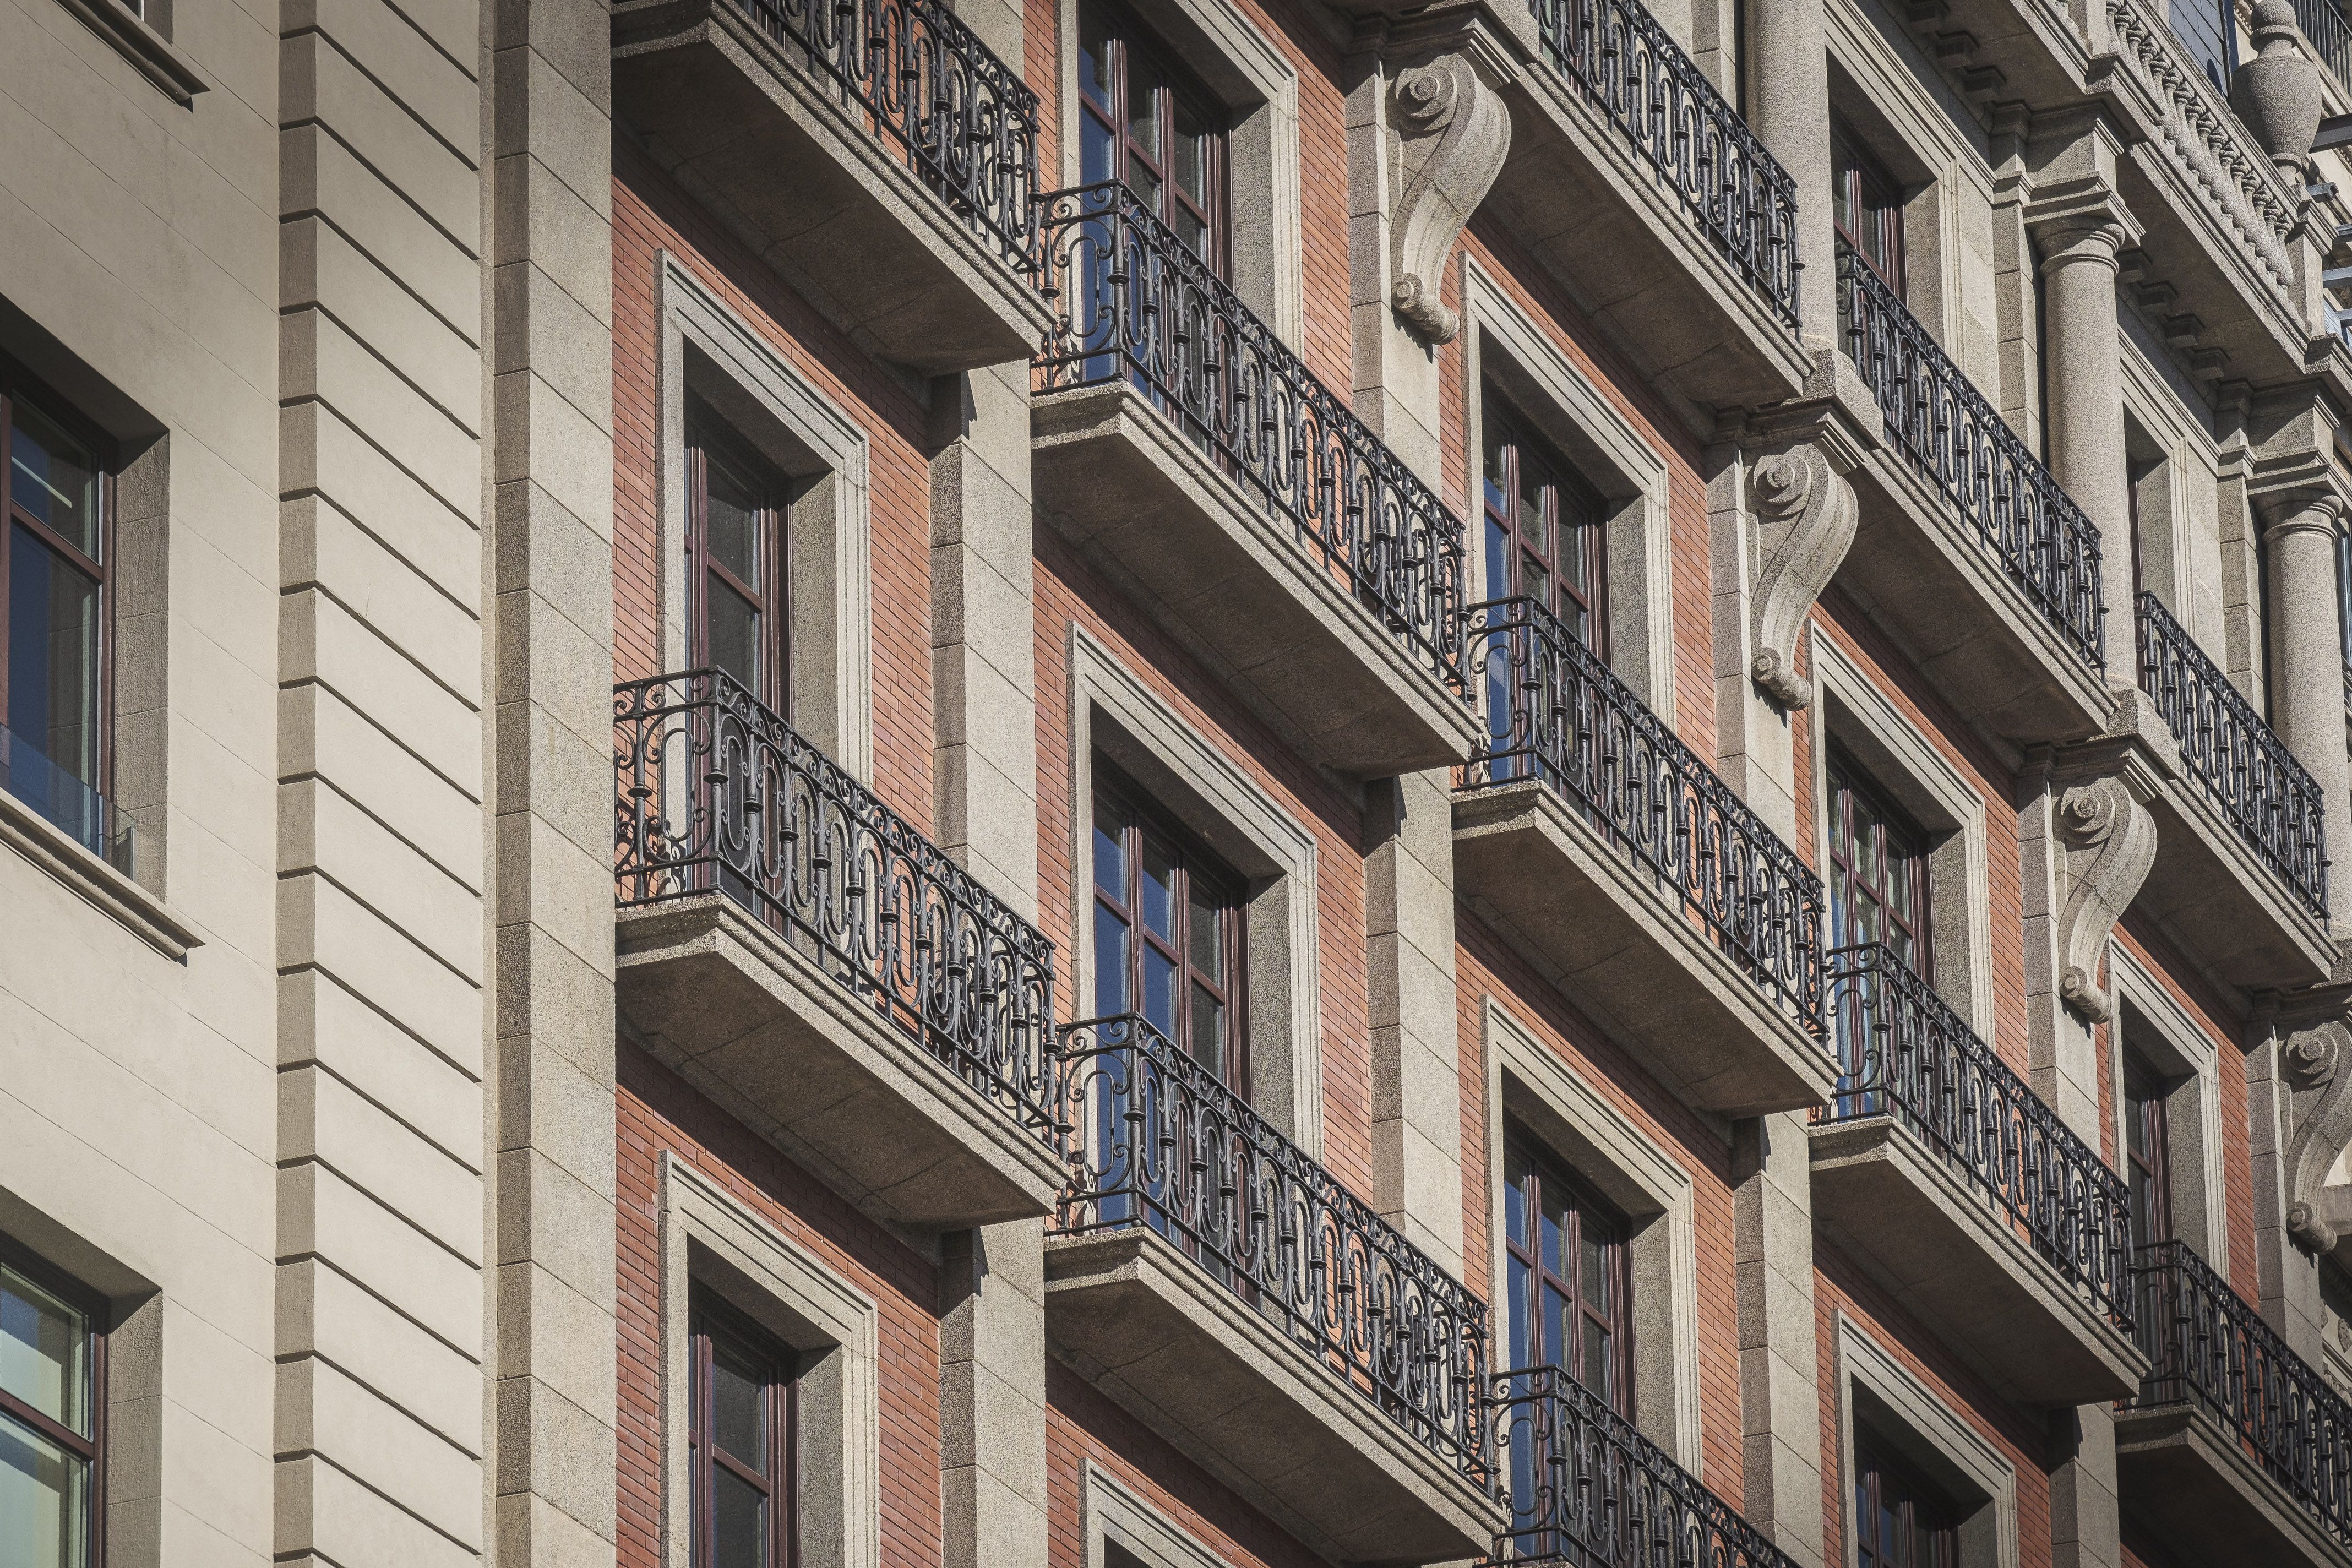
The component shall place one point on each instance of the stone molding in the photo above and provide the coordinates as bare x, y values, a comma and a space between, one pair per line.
1453, 132
2081, 219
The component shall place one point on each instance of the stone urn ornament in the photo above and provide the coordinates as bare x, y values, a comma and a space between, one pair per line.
2278, 93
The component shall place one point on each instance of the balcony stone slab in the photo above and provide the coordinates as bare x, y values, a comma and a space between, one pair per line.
767, 142
1597, 925
758, 1026
1134, 1315
1230, 579
1921, 570
2213, 893
1586, 205
1956, 1261
2191, 1484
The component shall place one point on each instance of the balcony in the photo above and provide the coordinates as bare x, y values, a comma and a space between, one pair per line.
1588, 1489
2241, 873
1225, 1288
794, 949
1954, 1185
1200, 466
1639, 188
2234, 1447
1631, 877
872, 152
1966, 544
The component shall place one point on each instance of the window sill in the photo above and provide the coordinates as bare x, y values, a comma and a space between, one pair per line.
106, 889
142, 45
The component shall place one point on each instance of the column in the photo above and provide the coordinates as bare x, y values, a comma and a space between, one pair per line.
2084, 415
1788, 106
2306, 669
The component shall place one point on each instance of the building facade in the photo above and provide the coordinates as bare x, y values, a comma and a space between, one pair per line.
1176, 783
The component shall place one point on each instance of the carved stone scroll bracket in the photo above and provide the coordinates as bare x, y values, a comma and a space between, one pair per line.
2314, 1033
1798, 455
2109, 842
1453, 131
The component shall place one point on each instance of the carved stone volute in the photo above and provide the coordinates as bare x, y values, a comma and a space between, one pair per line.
1805, 516
2110, 840
2313, 1057
1453, 132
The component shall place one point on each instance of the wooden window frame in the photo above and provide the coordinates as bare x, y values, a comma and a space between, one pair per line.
780, 1484
1874, 1466
13, 391
709, 438
1562, 488
2144, 1093
91, 1450
1128, 39
1862, 184
1847, 780
1192, 859
1540, 1168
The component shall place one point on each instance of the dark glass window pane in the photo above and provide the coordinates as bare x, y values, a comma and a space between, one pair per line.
738, 1408
44, 1351
1158, 889
1097, 150
1111, 960
54, 479
1143, 112
1094, 57
44, 1503
1110, 852
734, 633
1159, 990
1208, 1030
732, 526
53, 648
739, 1521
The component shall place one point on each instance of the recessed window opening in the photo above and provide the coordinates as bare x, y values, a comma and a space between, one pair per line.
1878, 869
2147, 1152
1147, 123
1570, 1274
742, 1441
1900, 1519
1545, 534
1866, 206
52, 1418
739, 573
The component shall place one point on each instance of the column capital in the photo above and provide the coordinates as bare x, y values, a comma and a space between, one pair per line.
2297, 492
2080, 219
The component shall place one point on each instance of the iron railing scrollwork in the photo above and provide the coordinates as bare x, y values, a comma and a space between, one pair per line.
1556, 712
2043, 542
1158, 1142
2236, 757
2206, 1346
1908, 1055
713, 792
1626, 62
1587, 1490
958, 116
1133, 303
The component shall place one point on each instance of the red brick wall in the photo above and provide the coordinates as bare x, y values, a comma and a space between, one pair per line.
657, 1111
650, 215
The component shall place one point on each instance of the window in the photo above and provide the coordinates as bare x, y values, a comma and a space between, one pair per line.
736, 561
52, 1395
2147, 1157
1168, 929
54, 600
1145, 122
742, 1441
1899, 1520
2209, 31
1866, 206
1569, 1276
1878, 871
1544, 536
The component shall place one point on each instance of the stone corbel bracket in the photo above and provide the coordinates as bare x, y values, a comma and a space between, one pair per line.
1799, 456
2314, 1028
1451, 131
2107, 837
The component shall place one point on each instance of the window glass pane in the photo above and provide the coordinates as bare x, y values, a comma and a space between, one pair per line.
1522, 1299
1142, 108
54, 477
1191, 232
1595, 1261
1111, 960
1110, 851
1498, 559
1514, 1204
53, 644
734, 633
737, 1408
44, 1352
739, 1521
1551, 1232
1188, 154
1596, 1369
1559, 1342
1207, 1022
1145, 184
1531, 509
1093, 56
44, 1506
1160, 990
1208, 943
1098, 151
732, 524
1158, 889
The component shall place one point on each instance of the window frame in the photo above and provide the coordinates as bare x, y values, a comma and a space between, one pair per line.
1126, 36
781, 1400
1847, 782
1857, 177
1562, 485
709, 436
2146, 1096
1874, 1463
1537, 1167
1190, 856
13, 390
96, 1311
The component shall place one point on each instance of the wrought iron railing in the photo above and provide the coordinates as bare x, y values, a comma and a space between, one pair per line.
2206, 1347
1742, 200
1159, 1144
714, 794
1589, 1490
1905, 1054
1134, 304
1556, 712
2236, 757
959, 118
1959, 441
2330, 39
